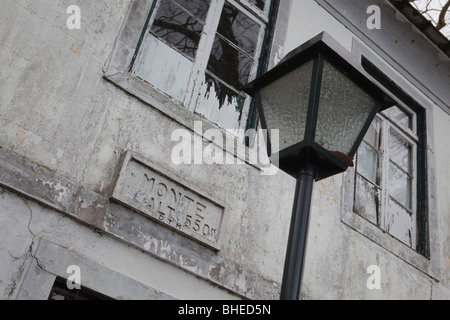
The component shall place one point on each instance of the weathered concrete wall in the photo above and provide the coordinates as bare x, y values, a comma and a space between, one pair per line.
25, 226
64, 130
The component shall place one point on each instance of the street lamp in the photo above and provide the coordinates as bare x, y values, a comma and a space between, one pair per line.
322, 102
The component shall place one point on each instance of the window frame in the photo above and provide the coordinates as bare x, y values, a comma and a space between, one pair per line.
388, 124
426, 257
264, 19
117, 71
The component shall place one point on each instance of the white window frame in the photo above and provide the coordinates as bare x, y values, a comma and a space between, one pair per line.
117, 71
409, 134
201, 59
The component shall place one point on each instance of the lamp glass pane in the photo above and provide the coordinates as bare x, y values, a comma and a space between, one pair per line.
285, 104
343, 110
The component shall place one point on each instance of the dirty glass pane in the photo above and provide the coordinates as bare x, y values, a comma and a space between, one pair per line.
177, 28
400, 185
399, 223
239, 29
400, 151
367, 200
260, 4
229, 64
368, 162
198, 8
398, 115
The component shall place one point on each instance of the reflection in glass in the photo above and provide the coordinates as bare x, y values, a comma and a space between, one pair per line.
400, 185
231, 58
239, 29
224, 94
220, 104
229, 64
177, 27
198, 8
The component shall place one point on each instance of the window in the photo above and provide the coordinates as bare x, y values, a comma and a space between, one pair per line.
386, 174
201, 53
390, 176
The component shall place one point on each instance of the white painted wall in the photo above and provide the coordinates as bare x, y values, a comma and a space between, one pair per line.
308, 19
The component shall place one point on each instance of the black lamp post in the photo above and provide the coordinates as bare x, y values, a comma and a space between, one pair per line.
322, 102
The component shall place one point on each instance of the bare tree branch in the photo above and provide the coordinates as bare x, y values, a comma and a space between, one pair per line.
435, 11
441, 21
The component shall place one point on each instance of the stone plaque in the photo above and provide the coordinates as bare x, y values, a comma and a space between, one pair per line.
169, 202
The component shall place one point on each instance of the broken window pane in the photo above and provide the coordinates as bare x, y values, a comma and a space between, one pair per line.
177, 27
229, 64
367, 200
198, 8
239, 29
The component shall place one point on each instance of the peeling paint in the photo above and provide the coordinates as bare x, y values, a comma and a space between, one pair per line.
62, 192
217, 271
93, 214
21, 136
78, 50
241, 282
279, 54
